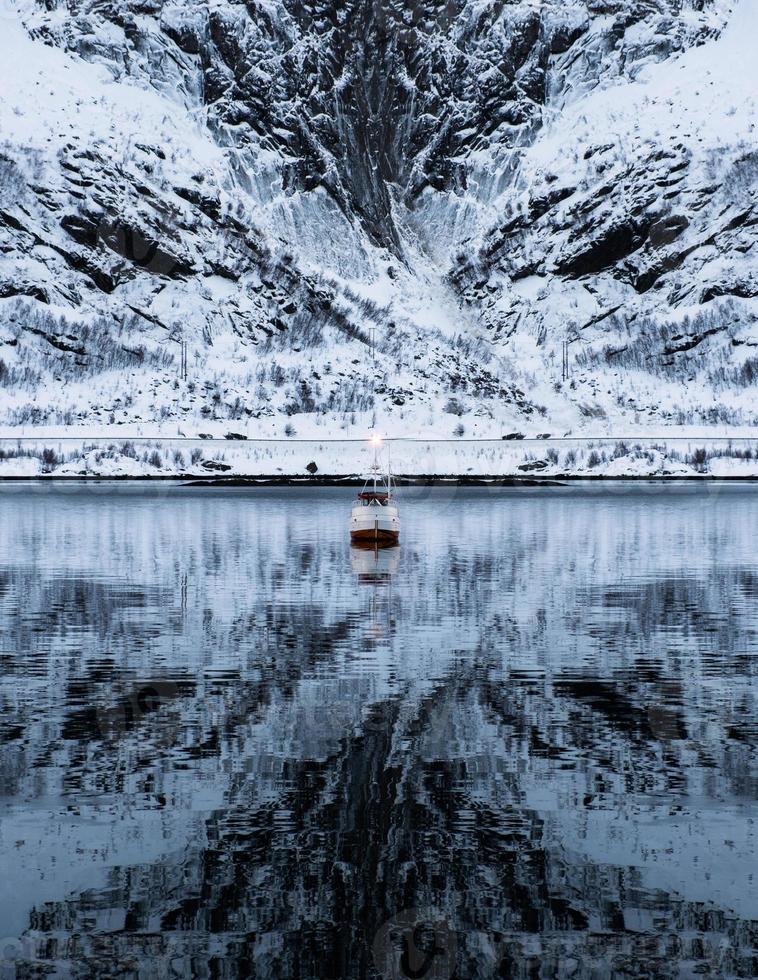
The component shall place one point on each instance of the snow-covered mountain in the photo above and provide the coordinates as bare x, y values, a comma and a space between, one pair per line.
391, 211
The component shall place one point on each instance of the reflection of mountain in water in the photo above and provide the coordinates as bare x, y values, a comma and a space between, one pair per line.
552, 750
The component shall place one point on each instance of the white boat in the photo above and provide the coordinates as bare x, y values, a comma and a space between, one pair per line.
375, 518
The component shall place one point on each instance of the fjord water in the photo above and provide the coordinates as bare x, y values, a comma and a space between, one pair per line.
524, 744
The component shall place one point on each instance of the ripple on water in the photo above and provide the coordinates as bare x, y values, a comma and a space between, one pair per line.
232, 745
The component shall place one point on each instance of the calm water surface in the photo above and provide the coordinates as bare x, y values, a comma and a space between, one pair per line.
522, 745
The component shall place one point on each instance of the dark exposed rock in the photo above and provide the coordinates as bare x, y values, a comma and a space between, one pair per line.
541, 205
103, 279
565, 34
690, 343
668, 229
187, 32
591, 151
744, 288
612, 243
648, 275
82, 228
143, 250
11, 220
79, 261
21, 288
210, 206
58, 343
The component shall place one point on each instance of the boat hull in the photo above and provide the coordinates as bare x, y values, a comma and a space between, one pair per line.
373, 534
375, 525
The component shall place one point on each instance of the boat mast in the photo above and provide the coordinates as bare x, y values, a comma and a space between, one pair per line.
376, 469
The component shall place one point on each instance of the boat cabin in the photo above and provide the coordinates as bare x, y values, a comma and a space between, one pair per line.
374, 498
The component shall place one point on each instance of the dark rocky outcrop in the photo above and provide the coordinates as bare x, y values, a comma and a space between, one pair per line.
143, 249
618, 239
82, 228
668, 229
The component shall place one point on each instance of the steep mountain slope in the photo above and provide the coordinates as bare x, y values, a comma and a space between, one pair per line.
393, 212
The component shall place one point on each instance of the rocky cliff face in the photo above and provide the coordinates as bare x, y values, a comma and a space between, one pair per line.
460, 186
376, 101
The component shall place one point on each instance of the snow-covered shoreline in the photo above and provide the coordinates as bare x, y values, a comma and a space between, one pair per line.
576, 251
515, 456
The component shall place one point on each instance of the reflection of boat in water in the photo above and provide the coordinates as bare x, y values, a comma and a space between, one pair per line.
374, 564
375, 518
374, 567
